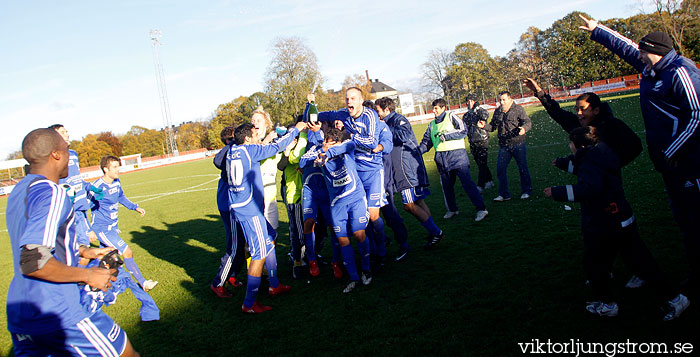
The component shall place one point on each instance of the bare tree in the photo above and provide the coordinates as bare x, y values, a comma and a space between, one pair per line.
435, 79
676, 16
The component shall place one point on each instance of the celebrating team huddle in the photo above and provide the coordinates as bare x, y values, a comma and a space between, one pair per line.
340, 172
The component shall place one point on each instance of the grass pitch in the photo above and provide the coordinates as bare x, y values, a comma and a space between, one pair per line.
512, 278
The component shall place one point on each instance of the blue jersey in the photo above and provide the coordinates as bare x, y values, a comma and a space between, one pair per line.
40, 212
312, 176
365, 134
105, 212
246, 193
77, 184
341, 177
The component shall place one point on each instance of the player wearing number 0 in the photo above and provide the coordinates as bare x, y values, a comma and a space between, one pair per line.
105, 217
348, 203
44, 313
246, 203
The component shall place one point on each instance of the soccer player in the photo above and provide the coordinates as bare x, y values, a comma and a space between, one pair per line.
44, 313
246, 203
291, 196
78, 191
363, 124
105, 217
315, 200
348, 203
268, 168
607, 222
233, 259
410, 175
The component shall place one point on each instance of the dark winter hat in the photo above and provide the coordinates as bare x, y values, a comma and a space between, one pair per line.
657, 42
471, 96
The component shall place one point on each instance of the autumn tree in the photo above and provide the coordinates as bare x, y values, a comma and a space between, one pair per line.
677, 17
112, 141
292, 74
192, 136
90, 150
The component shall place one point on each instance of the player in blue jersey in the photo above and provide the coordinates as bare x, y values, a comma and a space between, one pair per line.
232, 261
348, 203
246, 203
315, 200
105, 217
363, 125
44, 313
78, 189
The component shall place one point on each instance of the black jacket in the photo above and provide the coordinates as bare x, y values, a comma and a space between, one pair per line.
604, 207
612, 131
508, 123
477, 136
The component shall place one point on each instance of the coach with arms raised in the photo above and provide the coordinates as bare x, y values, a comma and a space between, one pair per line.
668, 94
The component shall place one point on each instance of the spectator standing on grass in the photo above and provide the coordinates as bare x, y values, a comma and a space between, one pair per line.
670, 102
232, 261
512, 124
77, 190
590, 111
246, 203
607, 222
105, 217
44, 312
478, 141
446, 135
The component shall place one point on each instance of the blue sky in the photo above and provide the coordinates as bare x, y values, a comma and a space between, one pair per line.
89, 64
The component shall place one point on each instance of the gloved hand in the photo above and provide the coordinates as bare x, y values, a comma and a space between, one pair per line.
69, 191
98, 193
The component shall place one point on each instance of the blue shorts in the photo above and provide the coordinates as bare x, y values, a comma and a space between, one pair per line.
82, 227
313, 201
259, 235
97, 335
110, 238
353, 214
413, 194
373, 183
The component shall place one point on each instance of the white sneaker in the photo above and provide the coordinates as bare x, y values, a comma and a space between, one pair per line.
149, 285
480, 215
488, 185
635, 282
676, 307
500, 198
602, 309
524, 196
450, 214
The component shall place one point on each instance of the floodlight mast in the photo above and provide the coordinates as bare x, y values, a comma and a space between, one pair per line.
171, 144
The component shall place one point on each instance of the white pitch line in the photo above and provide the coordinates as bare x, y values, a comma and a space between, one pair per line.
184, 190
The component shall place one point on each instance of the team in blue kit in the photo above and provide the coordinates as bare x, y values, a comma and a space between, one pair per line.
353, 161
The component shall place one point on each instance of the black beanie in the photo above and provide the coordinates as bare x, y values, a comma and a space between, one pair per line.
657, 42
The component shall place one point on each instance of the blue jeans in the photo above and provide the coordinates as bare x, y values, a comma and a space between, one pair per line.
519, 153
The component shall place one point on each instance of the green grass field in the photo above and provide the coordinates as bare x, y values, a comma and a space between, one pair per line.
514, 277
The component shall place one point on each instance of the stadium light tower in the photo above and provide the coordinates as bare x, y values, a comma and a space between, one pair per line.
171, 144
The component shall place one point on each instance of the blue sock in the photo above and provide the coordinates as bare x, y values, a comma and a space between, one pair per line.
134, 270
251, 290
349, 261
336, 248
364, 254
309, 241
379, 237
430, 226
271, 265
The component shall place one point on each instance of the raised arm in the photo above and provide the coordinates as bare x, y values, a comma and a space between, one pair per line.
566, 119
615, 42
